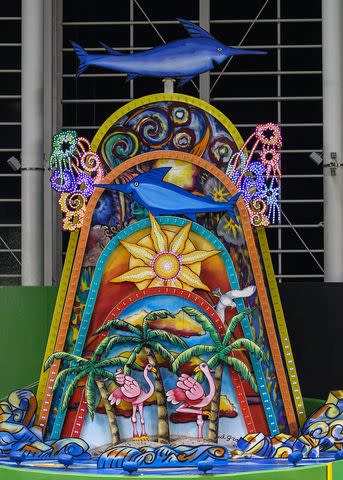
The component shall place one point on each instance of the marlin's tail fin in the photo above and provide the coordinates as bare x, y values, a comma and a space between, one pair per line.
230, 206
83, 58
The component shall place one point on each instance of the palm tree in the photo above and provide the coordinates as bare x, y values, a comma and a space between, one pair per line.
149, 341
219, 356
96, 373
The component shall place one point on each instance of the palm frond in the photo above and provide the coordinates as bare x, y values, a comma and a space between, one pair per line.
109, 342
63, 374
90, 392
71, 387
163, 336
205, 322
132, 359
249, 345
118, 362
191, 352
106, 374
63, 356
119, 325
166, 354
241, 368
234, 322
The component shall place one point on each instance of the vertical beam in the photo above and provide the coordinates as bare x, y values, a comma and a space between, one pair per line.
279, 120
32, 211
332, 13
53, 13
204, 22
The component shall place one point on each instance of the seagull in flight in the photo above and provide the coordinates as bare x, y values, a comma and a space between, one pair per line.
228, 299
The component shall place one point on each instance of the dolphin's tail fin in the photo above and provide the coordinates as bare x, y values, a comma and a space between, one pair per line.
230, 206
83, 58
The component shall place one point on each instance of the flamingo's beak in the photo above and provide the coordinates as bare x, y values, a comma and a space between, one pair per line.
154, 370
197, 369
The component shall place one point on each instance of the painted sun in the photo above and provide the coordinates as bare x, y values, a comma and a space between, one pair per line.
165, 258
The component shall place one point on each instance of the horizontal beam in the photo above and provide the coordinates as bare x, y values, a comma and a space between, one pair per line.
250, 73
264, 46
300, 276
297, 251
266, 99
175, 22
215, 99
237, 125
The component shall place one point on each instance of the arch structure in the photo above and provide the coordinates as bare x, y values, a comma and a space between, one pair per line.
143, 275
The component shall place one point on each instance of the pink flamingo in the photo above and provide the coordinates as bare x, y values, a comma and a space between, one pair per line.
131, 392
191, 395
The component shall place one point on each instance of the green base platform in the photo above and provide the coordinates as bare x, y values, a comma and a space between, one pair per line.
330, 471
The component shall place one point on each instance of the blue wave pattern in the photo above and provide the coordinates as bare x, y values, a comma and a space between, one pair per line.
164, 457
17, 432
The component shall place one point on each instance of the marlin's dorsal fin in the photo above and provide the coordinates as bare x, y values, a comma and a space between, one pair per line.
109, 50
193, 30
156, 174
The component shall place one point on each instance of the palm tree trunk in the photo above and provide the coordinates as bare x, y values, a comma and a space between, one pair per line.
112, 420
215, 405
162, 410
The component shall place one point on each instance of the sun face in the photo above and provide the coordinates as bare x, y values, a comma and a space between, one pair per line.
165, 258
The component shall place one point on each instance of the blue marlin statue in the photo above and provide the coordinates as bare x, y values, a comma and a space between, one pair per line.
164, 198
182, 59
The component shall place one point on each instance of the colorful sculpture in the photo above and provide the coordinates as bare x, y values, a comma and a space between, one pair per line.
130, 391
192, 396
183, 59
163, 198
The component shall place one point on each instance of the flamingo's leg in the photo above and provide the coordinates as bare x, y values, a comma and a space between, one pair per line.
143, 433
184, 408
200, 423
134, 422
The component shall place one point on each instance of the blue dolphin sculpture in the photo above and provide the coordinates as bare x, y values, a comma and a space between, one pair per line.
179, 59
164, 198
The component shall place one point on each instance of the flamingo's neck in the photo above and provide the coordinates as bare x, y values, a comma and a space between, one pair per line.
220, 309
149, 382
210, 380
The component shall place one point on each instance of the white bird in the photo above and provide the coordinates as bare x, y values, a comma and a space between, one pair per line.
228, 299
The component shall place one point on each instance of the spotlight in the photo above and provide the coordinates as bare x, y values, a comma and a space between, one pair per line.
316, 158
295, 458
14, 163
65, 459
205, 465
130, 467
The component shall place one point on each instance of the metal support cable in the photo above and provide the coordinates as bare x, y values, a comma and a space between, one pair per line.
9, 249
146, 16
302, 240
240, 43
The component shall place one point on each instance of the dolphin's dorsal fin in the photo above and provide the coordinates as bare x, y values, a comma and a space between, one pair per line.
109, 49
194, 30
154, 175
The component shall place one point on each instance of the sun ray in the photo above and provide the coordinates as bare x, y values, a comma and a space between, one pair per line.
175, 283
158, 237
137, 274
156, 282
198, 256
177, 245
142, 253
187, 276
